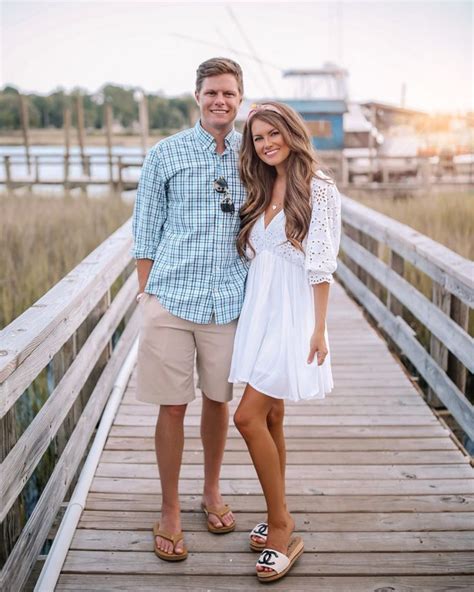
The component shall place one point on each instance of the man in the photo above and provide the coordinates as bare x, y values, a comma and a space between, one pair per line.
191, 287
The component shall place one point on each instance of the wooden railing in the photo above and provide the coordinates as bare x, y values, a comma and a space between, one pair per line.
71, 171
379, 258
81, 332
379, 172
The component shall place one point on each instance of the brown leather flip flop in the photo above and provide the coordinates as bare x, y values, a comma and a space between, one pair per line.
219, 512
173, 538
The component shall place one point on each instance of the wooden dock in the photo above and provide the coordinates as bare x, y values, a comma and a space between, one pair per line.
380, 492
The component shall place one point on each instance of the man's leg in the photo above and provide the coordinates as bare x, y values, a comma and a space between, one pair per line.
169, 443
166, 378
214, 424
214, 344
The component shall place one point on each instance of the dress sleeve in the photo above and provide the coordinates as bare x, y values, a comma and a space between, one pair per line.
324, 233
150, 209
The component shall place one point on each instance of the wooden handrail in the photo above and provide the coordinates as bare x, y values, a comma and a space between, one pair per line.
447, 268
31, 340
361, 269
28, 345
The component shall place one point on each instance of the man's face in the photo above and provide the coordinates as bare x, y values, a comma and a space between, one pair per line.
219, 100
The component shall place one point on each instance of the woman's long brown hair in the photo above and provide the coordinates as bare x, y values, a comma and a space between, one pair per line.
258, 177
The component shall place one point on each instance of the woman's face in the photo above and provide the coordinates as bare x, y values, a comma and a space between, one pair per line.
269, 143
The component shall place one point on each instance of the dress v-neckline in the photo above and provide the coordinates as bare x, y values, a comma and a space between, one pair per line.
269, 224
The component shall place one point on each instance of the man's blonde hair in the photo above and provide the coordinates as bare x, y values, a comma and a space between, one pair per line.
217, 66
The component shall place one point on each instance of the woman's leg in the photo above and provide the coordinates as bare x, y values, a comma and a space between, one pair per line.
275, 419
251, 419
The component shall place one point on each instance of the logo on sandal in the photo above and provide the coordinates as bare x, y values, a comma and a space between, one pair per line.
261, 529
266, 557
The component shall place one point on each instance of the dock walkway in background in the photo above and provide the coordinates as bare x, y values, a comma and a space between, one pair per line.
379, 489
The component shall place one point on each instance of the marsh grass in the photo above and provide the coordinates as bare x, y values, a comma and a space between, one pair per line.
447, 218
43, 238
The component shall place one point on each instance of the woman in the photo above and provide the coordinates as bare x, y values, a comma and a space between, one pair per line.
290, 230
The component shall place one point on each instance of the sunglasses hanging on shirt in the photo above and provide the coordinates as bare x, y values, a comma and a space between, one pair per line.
226, 203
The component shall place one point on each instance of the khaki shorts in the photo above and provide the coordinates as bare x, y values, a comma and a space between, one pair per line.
167, 349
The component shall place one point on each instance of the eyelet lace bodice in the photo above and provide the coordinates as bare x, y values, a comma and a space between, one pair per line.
320, 246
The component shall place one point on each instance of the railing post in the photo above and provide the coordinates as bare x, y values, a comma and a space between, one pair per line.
8, 173
438, 351
11, 526
66, 173
456, 371
120, 180
344, 171
397, 263
37, 169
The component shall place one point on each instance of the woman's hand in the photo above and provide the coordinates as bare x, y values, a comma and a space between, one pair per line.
318, 347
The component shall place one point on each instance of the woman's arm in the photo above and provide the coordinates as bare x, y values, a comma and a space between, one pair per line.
318, 343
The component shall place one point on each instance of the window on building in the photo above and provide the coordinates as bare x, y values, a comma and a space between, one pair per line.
320, 129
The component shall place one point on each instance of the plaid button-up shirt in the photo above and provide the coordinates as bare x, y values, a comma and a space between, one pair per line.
178, 223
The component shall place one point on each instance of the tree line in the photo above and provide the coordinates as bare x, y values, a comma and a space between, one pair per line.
47, 111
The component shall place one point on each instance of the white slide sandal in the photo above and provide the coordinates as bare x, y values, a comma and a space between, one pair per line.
279, 563
260, 530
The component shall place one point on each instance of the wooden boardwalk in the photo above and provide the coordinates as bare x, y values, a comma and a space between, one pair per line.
382, 495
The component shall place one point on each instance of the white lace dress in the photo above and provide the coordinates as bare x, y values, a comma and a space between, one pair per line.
277, 320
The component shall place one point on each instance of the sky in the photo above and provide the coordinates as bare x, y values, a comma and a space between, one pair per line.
425, 46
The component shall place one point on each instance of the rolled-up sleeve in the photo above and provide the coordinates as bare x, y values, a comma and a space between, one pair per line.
324, 233
149, 213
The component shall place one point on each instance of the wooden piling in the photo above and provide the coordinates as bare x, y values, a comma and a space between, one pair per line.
25, 129
143, 117
108, 118
80, 131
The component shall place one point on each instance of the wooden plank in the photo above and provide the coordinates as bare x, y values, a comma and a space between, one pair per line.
305, 521
319, 409
211, 564
31, 340
149, 501
299, 471
430, 431
304, 420
313, 445
314, 458
345, 541
297, 486
291, 583
455, 401
35, 440
455, 338
23, 557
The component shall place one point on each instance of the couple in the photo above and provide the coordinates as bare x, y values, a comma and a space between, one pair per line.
212, 205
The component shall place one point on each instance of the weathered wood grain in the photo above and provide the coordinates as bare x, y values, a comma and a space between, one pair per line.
227, 583
297, 486
231, 458
305, 522
327, 541
399, 502
211, 564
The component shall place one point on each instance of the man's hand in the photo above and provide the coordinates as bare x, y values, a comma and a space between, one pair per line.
317, 346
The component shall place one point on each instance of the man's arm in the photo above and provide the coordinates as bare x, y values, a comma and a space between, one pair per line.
143, 270
148, 216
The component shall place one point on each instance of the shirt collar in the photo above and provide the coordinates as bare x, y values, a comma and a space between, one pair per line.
208, 141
